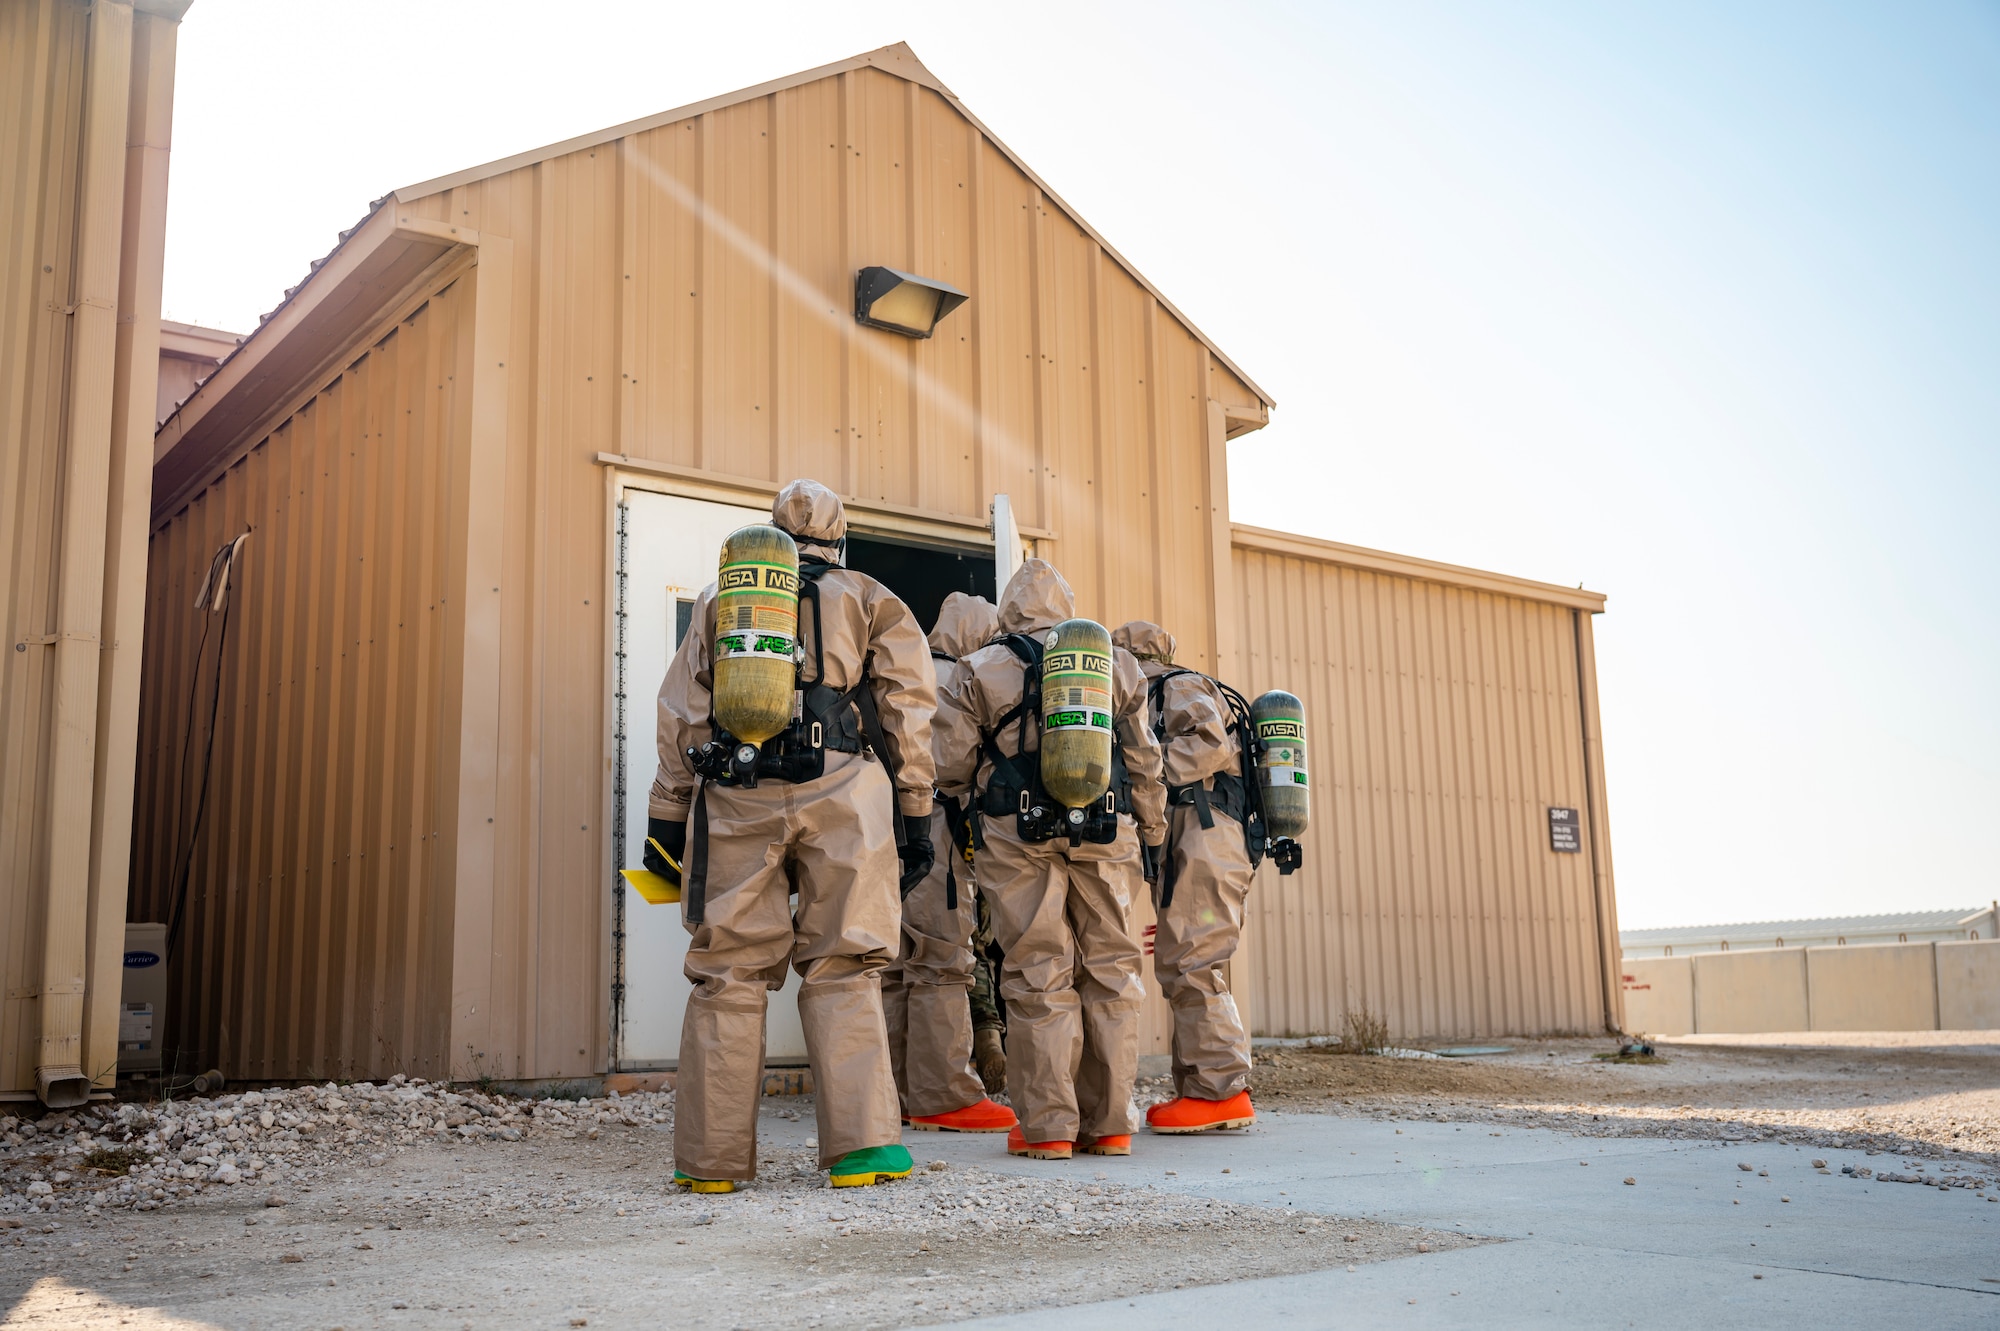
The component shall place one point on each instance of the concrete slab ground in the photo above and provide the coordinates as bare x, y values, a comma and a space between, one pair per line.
1693, 1240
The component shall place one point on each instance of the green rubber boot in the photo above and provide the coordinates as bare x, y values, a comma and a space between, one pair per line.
871, 1164
703, 1184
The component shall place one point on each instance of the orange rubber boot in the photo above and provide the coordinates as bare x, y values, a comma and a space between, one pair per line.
1188, 1114
1116, 1144
1019, 1145
982, 1117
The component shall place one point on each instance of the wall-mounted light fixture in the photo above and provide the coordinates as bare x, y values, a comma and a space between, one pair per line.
903, 302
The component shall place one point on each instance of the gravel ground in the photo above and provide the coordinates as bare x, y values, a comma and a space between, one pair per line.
559, 1214
408, 1204
1866, 1093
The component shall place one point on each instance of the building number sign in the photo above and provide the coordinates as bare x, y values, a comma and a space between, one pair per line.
1565, 831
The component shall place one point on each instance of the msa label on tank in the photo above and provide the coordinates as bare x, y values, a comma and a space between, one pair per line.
1284, 760
751, 577
756, 610
1076, 691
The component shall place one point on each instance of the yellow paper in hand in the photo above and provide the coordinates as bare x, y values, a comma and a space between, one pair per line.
656, 890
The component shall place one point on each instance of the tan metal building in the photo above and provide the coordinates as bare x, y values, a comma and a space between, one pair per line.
86, 107
1919, 926
1452, 710
189, 353
476, 443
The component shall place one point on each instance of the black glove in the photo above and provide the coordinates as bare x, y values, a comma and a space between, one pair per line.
666, 848
916, 852
1149, 860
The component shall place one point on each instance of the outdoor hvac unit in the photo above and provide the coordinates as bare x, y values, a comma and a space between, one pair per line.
144, 1002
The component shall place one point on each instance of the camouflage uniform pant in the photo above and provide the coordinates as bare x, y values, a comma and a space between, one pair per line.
984, 994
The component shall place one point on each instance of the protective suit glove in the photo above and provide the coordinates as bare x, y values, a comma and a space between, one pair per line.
1149, 859
916, 851
666, 848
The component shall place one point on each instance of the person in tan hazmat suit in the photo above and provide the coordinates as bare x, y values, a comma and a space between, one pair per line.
1201, 890
925, 993
833, 838
1061, 911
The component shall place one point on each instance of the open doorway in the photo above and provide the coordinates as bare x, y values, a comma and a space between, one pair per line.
923, 575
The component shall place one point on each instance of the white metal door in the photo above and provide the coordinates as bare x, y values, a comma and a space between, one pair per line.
669, 551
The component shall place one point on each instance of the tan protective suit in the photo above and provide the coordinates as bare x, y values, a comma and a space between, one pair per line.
924, 990
1061, 914
1210, 870
831, 840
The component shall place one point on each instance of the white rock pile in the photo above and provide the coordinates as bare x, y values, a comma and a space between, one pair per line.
144, 1157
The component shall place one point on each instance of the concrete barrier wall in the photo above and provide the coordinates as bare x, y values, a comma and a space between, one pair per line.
1659, 995
1968, 983
1890, 987
1747, 992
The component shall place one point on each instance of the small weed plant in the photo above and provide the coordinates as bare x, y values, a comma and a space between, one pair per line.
1364, 1033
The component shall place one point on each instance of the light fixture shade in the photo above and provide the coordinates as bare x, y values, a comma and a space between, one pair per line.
903, 302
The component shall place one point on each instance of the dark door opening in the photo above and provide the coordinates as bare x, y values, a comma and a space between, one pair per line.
922, 575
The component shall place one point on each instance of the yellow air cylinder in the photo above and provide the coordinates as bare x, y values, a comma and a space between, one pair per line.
1280, 719
1076, 713
756, 631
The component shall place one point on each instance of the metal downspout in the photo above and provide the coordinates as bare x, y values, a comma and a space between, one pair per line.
60, 1078
1607, 968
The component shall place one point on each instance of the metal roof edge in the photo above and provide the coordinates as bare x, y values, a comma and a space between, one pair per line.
896, 58
253, 343
271, 328
1918, 919
382, 236
1410, 566
882, 58
192, 341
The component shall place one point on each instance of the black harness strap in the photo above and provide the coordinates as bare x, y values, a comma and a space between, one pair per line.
861, 696
1030, 653
694, 895
954, 823
1238, 795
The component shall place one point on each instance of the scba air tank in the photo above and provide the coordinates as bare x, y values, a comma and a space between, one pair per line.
1280, 719
1076, 713
756, 633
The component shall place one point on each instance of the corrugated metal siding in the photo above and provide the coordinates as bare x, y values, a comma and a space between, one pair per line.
1443, 723
42, 47
316, 938
65, 302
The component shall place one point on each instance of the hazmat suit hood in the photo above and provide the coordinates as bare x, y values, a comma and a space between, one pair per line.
813, 516
1036, 598
1145, 640
964, 625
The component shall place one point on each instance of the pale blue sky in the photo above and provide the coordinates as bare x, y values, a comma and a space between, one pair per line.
1694, 304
